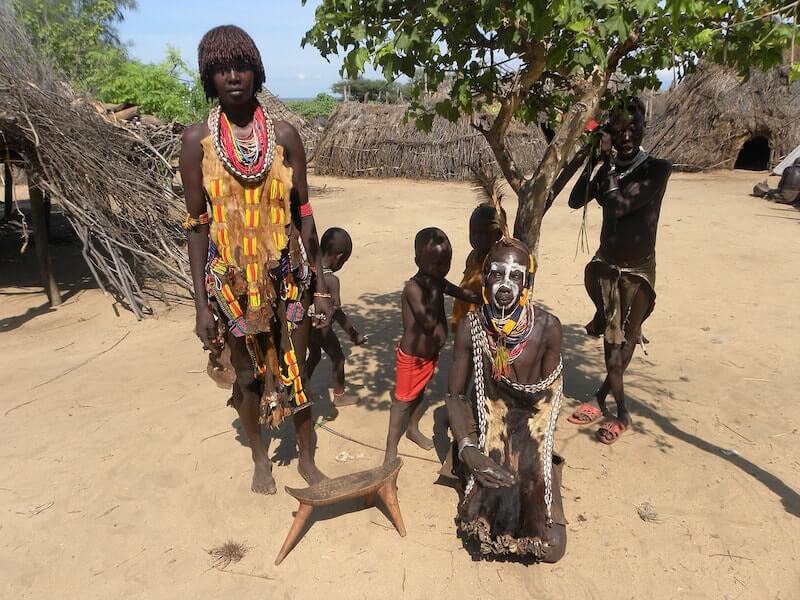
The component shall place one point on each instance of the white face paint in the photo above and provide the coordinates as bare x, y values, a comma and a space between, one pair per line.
507, 277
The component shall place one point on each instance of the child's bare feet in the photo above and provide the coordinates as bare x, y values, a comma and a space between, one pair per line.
415, 435
263, 482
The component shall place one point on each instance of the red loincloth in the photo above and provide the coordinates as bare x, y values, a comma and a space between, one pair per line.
412, 375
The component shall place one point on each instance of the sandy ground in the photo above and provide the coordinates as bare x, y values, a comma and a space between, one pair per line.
120, 464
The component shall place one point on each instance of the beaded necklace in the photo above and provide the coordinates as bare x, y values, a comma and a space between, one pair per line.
247, 159
507, 338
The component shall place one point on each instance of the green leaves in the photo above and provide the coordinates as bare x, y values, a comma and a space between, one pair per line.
72, 33
321, 106
354, 62
156, 88
480, 44
794, 74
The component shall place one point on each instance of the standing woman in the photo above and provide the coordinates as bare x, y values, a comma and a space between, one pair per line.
253, 248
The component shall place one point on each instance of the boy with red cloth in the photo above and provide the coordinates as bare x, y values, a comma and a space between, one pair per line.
424, 335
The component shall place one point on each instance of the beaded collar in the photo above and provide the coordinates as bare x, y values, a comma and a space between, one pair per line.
225, 144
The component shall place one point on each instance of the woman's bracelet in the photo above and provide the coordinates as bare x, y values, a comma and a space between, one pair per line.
322, 295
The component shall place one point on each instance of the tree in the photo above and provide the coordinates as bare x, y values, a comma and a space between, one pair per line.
80, 39
169, 90
73, 34
364, 90
543, 60
320, 107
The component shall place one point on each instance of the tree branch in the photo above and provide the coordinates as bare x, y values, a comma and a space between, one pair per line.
496, 135
617, 53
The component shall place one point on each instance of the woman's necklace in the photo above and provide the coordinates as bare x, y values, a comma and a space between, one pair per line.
249, 158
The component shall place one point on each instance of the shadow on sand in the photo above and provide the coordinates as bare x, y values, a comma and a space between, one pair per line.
380, 319
21, 269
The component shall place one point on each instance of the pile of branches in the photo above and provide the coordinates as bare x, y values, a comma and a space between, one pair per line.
374, 140
114, 184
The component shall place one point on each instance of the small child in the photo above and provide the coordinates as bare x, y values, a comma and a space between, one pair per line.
336, 247
424, 335
486, 227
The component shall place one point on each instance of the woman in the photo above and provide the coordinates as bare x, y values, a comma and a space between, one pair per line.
253, 254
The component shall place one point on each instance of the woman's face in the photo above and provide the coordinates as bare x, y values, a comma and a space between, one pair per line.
234, 83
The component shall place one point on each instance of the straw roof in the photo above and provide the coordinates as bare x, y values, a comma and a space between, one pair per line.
278, 110
711, 115
372, 140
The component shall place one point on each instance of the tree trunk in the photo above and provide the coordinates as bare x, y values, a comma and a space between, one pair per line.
535, 192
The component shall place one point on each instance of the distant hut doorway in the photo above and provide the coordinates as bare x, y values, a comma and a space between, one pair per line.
754, 155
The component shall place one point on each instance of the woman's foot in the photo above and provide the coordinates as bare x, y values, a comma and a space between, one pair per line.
263, 482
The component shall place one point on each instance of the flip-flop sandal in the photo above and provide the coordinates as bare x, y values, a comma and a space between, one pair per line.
609, 432
585, 414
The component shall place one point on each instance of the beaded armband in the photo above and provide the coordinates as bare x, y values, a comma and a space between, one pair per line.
191, 223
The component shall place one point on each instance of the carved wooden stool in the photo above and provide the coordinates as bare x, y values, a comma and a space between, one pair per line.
364, 484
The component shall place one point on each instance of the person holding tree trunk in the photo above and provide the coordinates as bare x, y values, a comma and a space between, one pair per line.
629, 185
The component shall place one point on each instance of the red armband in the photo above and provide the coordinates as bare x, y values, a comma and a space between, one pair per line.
190, 223
305, 210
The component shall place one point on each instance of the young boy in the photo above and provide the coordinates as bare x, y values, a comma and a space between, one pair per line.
424, 334
486, 226
336, 247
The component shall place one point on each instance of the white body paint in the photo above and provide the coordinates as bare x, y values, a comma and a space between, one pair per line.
507, 268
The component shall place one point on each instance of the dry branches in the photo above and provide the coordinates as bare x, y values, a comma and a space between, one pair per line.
114, 184
227, 553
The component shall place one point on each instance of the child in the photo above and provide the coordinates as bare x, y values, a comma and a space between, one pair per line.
486, 226
424, 334
336, 247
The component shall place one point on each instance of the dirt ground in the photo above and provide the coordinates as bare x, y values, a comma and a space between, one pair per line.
120, 464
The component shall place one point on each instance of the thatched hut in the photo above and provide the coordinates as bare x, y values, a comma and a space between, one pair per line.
278, 110
716, 120
372, 140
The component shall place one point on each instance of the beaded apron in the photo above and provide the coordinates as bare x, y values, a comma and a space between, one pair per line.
255, 260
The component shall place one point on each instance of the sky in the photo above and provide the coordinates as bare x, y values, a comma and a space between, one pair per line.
277, 26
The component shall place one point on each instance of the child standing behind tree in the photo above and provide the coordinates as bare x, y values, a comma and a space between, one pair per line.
486, 225
424, 334
336, 246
